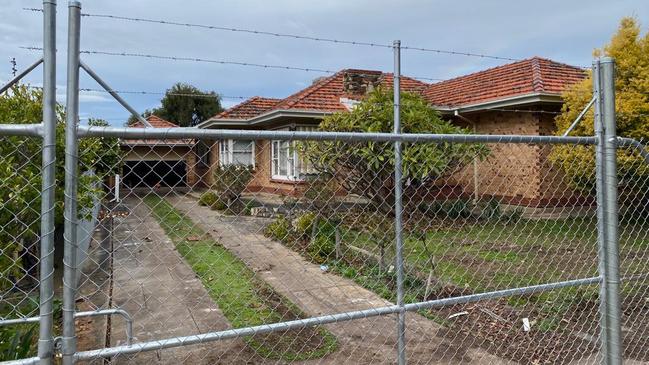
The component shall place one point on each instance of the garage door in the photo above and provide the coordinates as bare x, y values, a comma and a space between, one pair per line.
152, 173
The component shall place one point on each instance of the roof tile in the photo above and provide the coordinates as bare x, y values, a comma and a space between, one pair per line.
249, 108
156, 122
528, 76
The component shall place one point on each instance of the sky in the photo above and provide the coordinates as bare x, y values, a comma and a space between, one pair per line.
564, 31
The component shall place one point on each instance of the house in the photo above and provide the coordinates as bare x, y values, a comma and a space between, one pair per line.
516, 98
278, 168
152, 162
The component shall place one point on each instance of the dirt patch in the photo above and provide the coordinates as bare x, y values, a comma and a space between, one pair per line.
564, 325
290, 343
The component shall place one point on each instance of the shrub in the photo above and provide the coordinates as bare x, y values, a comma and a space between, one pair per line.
491, 210
304, 223
208, 198
279, 229
16, 343
218, 204
231, 180
366, 169
512, 216
449, 209
323, 247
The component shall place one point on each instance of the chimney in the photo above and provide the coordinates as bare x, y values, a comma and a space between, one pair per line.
360, 82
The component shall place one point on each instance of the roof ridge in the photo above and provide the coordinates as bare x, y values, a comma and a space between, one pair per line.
537, 78
491, 69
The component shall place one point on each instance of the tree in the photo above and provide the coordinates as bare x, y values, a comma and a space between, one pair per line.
367, 168
631, 54
20, 180
186, 105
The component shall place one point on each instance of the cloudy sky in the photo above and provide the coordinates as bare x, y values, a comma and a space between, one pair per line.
565, 31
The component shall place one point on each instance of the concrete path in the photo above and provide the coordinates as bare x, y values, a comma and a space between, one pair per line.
367, 341
165, 299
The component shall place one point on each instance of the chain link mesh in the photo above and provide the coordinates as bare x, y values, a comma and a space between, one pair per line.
203, 236
20, 187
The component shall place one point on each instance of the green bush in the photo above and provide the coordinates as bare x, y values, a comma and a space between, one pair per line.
449, 209
208, 198
21, 180
231, 180
491, 210
323, 247
279, 229
304, 224
16, 343
218, 204
512, 216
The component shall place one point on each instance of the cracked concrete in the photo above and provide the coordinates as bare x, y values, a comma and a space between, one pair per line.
365, 341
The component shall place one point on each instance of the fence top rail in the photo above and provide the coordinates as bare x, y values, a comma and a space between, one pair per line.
197, 133
26, 130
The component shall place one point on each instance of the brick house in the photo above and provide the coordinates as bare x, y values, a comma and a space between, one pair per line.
151, 162
516, 98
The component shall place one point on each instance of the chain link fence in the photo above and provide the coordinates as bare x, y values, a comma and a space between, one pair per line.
20, 195
273, 245
189, 245
280, 246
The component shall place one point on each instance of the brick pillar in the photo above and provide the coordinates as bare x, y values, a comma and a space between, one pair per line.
191, 161
214, 162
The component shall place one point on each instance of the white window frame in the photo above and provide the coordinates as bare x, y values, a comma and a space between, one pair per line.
294, 166
226, 153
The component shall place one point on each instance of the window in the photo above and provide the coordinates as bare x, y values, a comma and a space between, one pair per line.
234, 152
286, 163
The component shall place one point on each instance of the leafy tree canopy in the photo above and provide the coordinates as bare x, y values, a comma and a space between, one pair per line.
631, 53
185, 105
21, 176
367, 168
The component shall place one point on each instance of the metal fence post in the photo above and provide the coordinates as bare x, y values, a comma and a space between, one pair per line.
398, 208
71, 176
46, 295
612, 272
601, 238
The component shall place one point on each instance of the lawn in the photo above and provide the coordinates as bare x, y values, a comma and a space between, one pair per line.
471, 255
489, 255
244, 299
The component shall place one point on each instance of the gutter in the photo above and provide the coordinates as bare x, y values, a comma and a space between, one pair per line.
502, 103
266, 117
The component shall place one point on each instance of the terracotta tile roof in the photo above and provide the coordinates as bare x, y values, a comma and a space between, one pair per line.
534, 75
156, 122
249, 108
325, 94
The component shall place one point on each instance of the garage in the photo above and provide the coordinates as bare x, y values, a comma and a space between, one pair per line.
151, 163
150, 173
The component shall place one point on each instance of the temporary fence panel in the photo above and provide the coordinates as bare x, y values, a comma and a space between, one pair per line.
250, 246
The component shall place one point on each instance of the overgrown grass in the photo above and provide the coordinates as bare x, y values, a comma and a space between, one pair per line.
484, 255
20, 340
243, 299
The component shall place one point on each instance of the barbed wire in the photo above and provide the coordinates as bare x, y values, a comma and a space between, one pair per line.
143, 92
222, 62
288, 35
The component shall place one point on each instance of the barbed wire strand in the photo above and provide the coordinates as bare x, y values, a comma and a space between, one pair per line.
288, 35
222, 62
